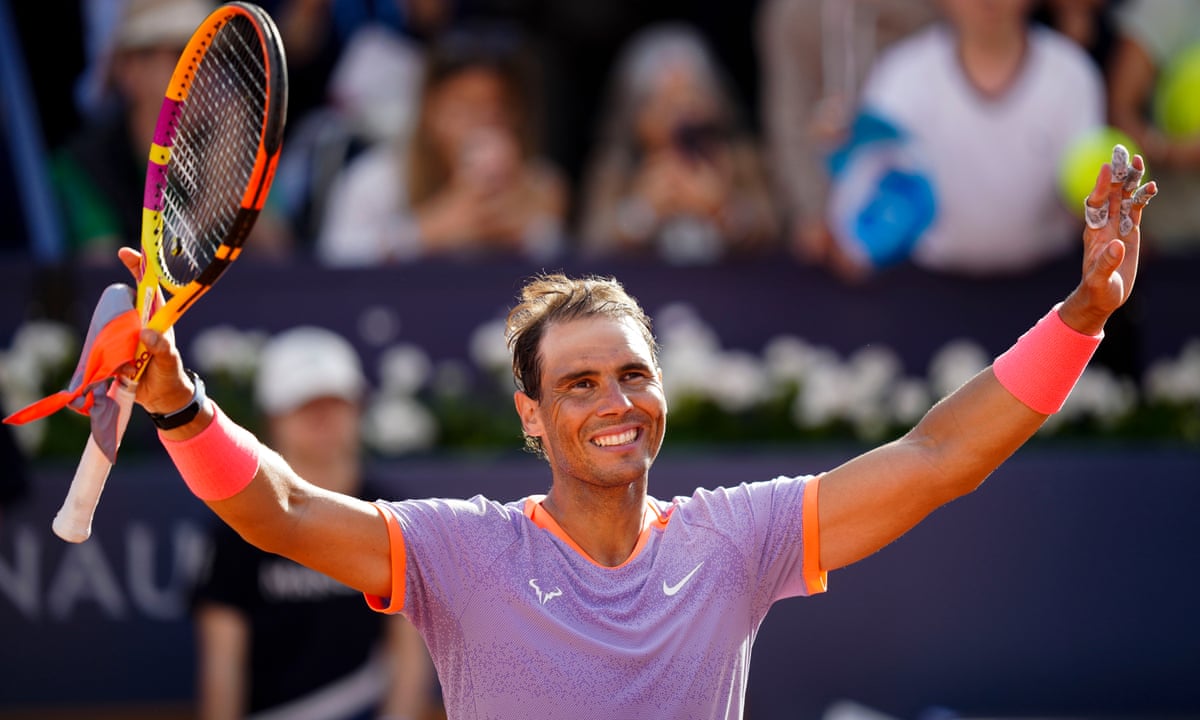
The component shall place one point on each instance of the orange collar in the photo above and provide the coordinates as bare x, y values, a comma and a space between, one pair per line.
652, 518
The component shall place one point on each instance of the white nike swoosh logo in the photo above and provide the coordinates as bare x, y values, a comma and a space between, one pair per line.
670, 590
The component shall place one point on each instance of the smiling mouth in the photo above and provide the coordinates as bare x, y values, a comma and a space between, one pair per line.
622, 438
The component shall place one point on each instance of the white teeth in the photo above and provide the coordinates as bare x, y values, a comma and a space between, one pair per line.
620, 439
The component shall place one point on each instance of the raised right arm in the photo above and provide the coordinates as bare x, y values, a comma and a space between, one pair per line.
250, 487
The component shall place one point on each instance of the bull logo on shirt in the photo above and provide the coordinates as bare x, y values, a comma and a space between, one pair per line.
544, 597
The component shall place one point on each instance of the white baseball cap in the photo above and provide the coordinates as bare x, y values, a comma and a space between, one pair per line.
147, 23
303, 364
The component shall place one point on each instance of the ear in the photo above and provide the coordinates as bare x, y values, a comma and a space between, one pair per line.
527, 410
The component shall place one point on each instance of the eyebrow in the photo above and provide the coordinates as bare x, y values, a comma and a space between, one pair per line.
580, 374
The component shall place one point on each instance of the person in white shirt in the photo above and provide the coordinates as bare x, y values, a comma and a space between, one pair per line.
990, 103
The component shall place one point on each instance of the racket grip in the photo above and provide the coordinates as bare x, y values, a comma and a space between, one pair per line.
73, 522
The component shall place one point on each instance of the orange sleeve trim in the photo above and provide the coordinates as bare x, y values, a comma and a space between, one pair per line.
399, 556
816, 580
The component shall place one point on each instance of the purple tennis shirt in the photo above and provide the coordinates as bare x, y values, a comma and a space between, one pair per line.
521, 623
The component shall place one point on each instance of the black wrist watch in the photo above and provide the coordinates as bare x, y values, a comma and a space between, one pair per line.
185, 414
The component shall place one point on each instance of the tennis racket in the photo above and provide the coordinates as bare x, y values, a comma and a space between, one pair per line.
211, 164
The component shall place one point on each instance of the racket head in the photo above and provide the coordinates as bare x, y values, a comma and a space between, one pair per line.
213, 158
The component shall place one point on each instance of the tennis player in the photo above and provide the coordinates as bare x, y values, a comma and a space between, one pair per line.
598, 600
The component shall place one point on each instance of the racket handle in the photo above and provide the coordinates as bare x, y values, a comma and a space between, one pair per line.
73, 522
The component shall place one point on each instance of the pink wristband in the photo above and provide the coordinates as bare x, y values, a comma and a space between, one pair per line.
1042, 367
219, 462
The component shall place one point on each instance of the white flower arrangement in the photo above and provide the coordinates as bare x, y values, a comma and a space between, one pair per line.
793, 390
1175, 380
223, 349
39, 361
395, 422
398, 425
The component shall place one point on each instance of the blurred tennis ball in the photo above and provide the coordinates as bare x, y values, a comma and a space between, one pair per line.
1082, 160
1177, 95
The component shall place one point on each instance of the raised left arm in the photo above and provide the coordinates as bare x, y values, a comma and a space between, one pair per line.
875, 498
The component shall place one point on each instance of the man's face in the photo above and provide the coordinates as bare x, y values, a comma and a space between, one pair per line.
986, 16
603, 412
318, 431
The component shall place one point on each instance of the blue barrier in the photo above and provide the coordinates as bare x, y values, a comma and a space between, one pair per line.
1064, 586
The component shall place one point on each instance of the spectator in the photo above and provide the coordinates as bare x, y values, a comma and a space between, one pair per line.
972, 98
814, 56
471, 181
355, 69
319, 34
1155, 38
675, 172
100, 172
273, 635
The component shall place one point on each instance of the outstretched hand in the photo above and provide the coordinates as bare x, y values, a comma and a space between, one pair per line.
1111, 242
163, 386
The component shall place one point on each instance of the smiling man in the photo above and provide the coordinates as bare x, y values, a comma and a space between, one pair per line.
598, 600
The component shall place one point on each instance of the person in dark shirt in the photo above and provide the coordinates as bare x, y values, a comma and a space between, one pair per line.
272, 634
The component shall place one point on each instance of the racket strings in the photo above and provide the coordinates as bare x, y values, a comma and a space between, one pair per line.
216, 147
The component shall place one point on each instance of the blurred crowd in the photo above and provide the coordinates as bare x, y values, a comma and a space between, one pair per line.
851, 135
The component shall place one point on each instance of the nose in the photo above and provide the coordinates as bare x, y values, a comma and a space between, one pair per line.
614, 400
